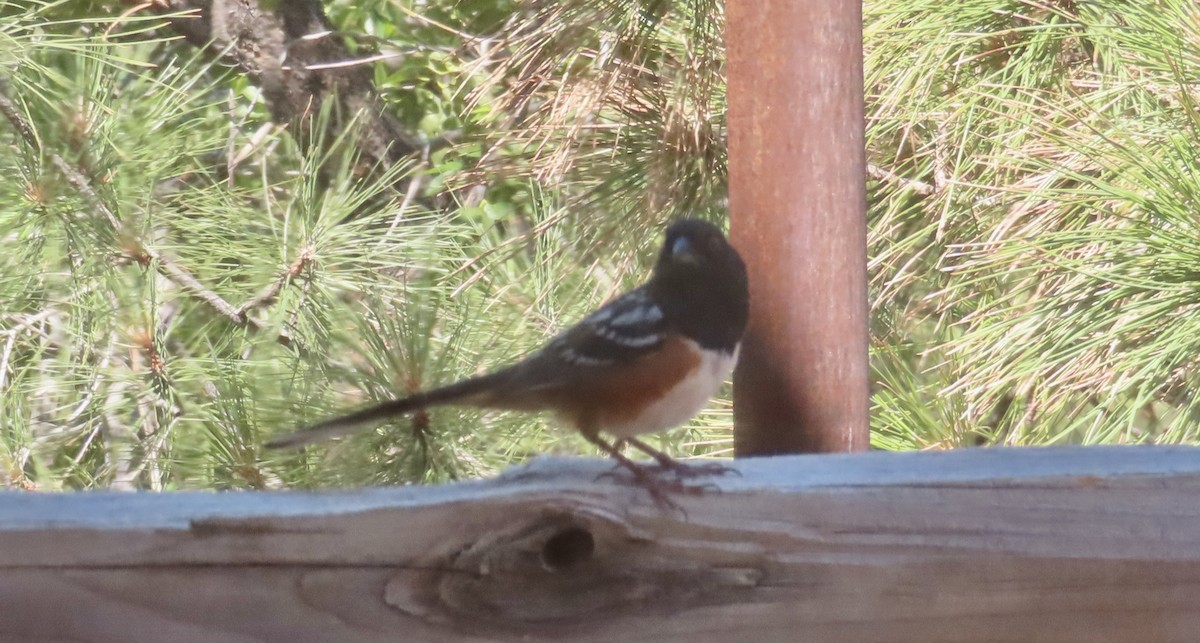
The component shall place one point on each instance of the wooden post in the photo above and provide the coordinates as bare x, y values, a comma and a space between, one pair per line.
999, 545
797, 202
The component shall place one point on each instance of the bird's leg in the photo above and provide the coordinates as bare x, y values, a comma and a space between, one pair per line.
664, 461
614, 451
652, 484
689, 470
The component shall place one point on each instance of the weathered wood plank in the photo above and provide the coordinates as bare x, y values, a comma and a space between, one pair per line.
1097, 544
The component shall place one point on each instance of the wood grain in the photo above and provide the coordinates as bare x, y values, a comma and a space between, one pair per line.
1095, 544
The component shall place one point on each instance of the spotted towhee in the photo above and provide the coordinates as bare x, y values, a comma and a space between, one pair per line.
644, 362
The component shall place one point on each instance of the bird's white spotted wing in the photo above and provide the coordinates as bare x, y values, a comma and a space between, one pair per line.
622, 330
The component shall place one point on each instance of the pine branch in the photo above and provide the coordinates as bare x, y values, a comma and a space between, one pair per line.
272, 291
138, 251
887, 176
73, 176
192, 286
294, 56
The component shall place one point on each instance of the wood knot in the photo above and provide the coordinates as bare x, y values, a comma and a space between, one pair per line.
563, 569
571, 546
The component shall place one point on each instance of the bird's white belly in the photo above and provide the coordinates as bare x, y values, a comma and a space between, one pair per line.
683, 402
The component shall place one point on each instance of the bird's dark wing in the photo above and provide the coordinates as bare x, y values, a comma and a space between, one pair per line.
628, 328
621, 331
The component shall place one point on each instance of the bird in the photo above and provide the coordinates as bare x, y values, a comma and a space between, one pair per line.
644, 362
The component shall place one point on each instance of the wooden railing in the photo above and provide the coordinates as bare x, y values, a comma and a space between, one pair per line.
1078, 544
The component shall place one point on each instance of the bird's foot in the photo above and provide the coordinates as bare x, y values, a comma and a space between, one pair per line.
651, 479
694, 469
660, 489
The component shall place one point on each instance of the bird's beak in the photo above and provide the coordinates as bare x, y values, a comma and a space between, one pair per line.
683, 252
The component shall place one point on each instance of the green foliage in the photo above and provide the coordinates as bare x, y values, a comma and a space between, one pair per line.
1033, 230
1049, 276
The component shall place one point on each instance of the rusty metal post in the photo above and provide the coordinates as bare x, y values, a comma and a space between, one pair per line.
798, 204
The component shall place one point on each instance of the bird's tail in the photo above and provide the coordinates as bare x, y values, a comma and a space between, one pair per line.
470, 391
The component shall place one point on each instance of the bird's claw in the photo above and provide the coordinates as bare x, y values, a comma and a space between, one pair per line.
659, 488
696, 469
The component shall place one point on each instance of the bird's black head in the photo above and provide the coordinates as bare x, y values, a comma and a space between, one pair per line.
701, 281
693, 245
